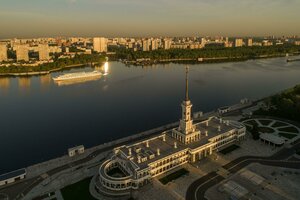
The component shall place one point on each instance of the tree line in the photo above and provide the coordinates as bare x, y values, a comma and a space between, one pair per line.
57, 64
284, 105
207, 52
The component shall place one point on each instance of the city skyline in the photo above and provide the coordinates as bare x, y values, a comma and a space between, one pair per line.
143, 19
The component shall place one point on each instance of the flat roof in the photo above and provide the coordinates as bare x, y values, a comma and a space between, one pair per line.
167, 147
272, 138
12, 174
76, 148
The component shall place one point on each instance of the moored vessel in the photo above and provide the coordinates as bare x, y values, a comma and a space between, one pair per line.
78, 75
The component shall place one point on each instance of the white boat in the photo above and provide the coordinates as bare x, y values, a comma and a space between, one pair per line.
78, 75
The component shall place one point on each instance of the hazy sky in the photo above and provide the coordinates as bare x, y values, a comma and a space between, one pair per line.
36, 18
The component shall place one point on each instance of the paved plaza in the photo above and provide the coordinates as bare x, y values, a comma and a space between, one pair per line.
259, 182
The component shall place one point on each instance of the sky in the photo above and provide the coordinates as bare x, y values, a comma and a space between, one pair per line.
144, 18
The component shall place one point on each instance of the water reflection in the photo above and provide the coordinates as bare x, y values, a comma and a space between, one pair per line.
106, 68
103, 68
24, 83
45, 80
4, 83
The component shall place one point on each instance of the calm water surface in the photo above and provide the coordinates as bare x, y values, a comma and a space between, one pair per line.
39, 119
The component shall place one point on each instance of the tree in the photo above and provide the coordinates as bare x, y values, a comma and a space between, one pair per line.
255, 132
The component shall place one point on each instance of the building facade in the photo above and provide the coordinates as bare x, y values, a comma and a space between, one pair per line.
3, 52
12, 177
43, 52
139, 162
22, 52
100, 44
249, 42
154, 44
238, 42
167, 44
146, 45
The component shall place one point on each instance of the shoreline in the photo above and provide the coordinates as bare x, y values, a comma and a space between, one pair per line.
39, 73
151, 62
202, 60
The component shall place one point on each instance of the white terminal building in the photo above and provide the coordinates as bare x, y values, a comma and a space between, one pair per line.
134, 165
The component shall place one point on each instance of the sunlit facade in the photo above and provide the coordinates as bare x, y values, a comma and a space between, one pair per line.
22, 52
100, 44
3, 52
43, 52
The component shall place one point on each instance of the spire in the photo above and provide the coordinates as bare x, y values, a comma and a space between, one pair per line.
186, 84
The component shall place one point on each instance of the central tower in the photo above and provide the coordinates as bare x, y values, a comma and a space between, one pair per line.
186, 132
186, 123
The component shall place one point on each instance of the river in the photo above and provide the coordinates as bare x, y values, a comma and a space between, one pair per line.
40, 119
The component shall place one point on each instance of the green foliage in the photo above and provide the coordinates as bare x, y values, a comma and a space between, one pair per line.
287, 135
284, 105
74, 49
78, 191
255, 132
208, 52
57, 64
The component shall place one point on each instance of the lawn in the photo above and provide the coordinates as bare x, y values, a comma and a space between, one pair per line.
173, 176
298, 152
229, 149
265, 122
278, 124
287, 135
265, 130
78, 191
251, 122
289, 129
248, 127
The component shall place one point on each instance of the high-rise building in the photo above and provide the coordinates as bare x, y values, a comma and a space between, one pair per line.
44, 52
3, 52
100, 44
226, 42
154, 44
226, 39
22, 52
267, 43
146, 45
249, 42
238, 42
167, 44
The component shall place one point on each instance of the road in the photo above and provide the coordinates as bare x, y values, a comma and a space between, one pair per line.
197, 189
